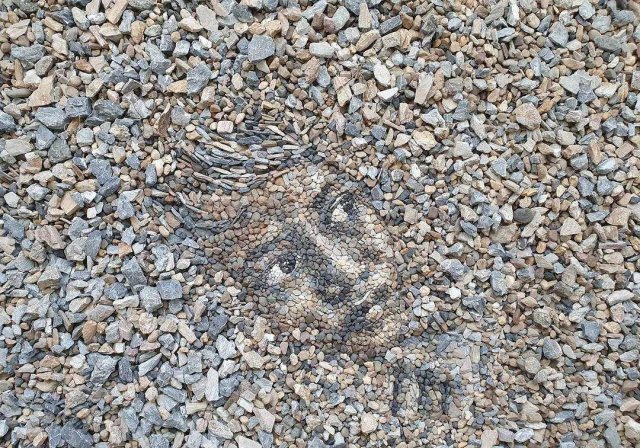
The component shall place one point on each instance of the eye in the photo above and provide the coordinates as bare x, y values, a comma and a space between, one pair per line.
287, 264
281, 268
343, 208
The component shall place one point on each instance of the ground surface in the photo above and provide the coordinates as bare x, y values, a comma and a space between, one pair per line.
267, 223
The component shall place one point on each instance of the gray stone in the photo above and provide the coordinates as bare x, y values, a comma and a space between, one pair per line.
559, 34
604, 417
499, 166
498, 283
79, 106
7, 123
84, 137
130, 418
133, 273
608, 43
606, 166
13, 227
591, 330
212, 386
169, 289
353, 6
101, 169
551, 349
150, 175
623, 17
260, 48
454, 268
150, 299
18, 146
104, 367
158, 441
390, 25
226, 348
197, 78
612, 437
124, 208
104, 111
52, 117
44, 137
523, 435
142, 5
30, 54
523, 215
148, 365
76, 437
586, 10
321, 49
59, 151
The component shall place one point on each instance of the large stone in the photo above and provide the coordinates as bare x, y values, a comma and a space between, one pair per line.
104, 367
52, 117
79, 106
528, 116
197, 78
368, 423
260, 48
30, 54
7, 123
169, 289
18, 146
133, 273
322, 49
570, 227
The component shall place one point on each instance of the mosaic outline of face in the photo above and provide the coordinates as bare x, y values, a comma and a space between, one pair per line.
322, 262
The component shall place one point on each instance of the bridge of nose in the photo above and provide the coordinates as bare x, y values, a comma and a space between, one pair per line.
342, 261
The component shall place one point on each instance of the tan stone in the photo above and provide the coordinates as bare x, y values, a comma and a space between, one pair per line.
43, 95
115, 11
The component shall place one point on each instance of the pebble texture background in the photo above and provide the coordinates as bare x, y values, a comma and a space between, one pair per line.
492, 146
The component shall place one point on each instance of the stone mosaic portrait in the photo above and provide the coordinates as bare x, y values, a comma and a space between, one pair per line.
316, 260
313, 255
319, 223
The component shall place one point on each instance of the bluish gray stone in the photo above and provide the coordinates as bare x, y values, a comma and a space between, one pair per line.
59, 151
7, 123
591, 330
104, 367
133, 273
150, 175
260, 48
103, 111
150, 299
551, 349
197, 78
79, 106
454, 268
30, 54
608, 43
169, 289
52, 117
390, 25
76, 437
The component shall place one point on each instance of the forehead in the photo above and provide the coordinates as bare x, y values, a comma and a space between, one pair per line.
279, 202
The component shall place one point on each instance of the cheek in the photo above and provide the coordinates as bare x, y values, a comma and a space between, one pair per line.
374, 236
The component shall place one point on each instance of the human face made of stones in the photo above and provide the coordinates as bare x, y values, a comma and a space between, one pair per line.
314, 256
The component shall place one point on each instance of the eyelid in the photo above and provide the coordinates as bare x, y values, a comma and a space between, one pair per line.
339, 199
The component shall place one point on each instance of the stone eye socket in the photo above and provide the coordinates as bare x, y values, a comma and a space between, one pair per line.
281, 268
343, 208
287, 263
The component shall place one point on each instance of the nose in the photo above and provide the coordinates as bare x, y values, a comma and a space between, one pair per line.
333, 252
363, 277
